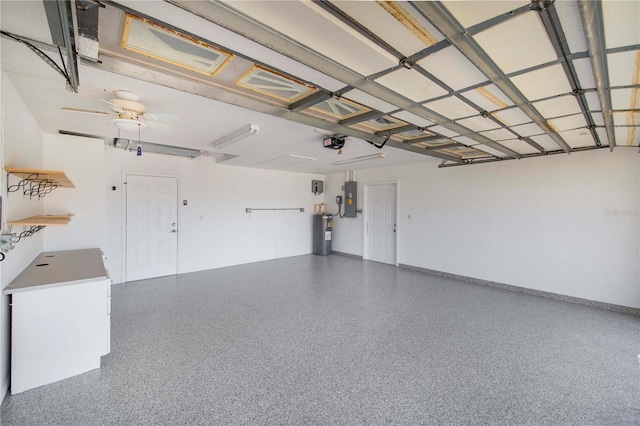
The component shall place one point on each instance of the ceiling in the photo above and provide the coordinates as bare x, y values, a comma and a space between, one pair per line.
455, 83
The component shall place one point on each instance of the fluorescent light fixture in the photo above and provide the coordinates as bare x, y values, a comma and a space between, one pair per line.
248, 130
286, 160
379, 156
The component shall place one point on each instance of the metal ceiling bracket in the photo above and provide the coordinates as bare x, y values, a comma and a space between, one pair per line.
406, 63
35, 48
439, 16
592, 21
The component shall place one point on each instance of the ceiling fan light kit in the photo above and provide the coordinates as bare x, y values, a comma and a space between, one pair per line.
128, 124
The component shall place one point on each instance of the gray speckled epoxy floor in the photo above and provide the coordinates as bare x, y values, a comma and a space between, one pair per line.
334, 340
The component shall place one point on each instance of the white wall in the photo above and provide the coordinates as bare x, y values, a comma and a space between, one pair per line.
214, 230
21, 142
82, 160
559, 224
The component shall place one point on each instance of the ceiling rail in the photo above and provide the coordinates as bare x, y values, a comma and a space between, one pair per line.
591, 14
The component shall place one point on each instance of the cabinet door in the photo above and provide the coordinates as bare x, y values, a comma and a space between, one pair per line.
57, 333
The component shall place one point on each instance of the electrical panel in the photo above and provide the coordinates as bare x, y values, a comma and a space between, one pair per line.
317, 186
350, 199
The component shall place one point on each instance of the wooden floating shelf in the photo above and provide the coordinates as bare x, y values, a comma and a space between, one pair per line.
56, 177
44, 220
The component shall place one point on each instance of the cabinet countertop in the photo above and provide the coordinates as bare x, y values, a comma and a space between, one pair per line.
59, 268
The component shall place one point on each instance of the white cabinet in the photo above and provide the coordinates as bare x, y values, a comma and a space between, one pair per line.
61, 306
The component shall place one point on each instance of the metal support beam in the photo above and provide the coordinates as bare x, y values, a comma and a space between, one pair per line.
591, 14
311, 100
426, 52
501, 18
524, 156
225, 16
339, 14
362, 117
406, 62
532, 143
60, 17
428, 139
439, 16
35, 47
139, 72
553, 26
406, 128
445, 146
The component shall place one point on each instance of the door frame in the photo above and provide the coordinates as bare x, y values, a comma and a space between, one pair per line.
123, 218
365, 217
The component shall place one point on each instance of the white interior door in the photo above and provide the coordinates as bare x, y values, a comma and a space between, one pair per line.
381, 223
152, 227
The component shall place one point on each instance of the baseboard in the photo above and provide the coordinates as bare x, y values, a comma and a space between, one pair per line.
549, 295
353, 256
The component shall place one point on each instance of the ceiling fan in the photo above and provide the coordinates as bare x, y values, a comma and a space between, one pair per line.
129, 114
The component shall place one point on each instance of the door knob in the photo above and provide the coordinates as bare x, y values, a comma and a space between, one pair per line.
174, 230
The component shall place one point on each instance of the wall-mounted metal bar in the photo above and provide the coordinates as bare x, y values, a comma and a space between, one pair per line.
553, 26
439, 16
591, 14
251, 209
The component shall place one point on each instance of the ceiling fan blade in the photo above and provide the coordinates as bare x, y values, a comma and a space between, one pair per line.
163, 117
113, 106
85, 111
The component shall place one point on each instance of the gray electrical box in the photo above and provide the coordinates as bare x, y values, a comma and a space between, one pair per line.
350, 199
316, 186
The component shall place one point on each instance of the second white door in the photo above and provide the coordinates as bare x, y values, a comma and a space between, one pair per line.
381, 223
152, 227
